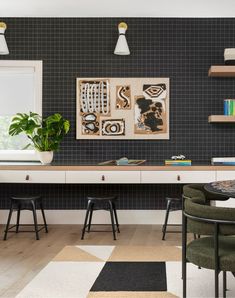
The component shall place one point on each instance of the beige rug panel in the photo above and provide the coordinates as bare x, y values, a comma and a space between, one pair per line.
130, 295
75, 254
146, 253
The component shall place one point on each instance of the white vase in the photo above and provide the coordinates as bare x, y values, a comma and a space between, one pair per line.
45, 157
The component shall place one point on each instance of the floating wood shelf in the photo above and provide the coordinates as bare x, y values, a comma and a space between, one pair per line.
222, 71
221, 118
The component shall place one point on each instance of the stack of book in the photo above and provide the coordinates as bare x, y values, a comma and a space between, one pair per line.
223, 161
178, 162
229, 107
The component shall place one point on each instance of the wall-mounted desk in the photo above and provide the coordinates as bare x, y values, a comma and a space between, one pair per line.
114, 174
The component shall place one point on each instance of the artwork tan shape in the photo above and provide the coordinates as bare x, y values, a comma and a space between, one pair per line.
113, 127
95, 96
150, 110
90, 124
123, 108
123, 97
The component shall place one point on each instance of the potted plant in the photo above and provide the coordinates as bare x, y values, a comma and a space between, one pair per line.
44, 134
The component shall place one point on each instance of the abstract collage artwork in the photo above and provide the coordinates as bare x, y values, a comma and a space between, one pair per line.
123, 108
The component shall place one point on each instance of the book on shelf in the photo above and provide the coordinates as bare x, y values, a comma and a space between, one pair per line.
184, 162
229, 107
226, 161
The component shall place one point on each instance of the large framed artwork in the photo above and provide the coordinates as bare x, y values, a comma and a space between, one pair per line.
123, 108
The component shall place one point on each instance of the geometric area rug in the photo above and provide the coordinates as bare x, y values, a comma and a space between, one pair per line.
99, 271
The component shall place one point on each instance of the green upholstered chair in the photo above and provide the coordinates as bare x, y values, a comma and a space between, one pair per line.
215, 250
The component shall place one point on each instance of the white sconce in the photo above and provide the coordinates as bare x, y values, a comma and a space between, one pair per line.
3, 45
122, 46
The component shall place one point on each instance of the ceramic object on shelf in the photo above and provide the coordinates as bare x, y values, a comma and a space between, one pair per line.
45, 157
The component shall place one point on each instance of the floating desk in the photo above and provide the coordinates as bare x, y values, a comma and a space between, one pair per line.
93, 174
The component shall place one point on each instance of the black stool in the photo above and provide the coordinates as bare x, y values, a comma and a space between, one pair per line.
110, 203
168, 209
19, 203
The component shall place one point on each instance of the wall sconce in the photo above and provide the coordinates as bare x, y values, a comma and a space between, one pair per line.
3, 44
122, 46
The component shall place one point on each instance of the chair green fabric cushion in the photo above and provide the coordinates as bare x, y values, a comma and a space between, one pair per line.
197, 190
201, 253
195, 207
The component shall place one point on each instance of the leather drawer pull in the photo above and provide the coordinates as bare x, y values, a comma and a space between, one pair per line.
178, 177
103, 178
27, 177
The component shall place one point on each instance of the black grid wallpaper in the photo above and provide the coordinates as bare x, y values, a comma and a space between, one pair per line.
181, 49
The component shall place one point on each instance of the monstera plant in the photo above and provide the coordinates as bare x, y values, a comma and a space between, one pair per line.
45, 135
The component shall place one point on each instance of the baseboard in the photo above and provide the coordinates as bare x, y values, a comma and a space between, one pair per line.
138, 217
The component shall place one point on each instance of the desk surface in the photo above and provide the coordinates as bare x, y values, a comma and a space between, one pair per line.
92, 166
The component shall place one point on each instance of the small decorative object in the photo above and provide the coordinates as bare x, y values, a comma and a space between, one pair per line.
3, 44
124, 161
229, 56
45, 135
178, 157
122, 46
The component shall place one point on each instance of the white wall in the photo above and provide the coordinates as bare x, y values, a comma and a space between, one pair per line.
120, 8
138, 217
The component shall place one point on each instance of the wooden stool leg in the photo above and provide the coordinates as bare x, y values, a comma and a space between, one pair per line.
18, 218
44, 217
112, 219
90, 218
166, 219
8, 221
35, 219
116, 218
86, 218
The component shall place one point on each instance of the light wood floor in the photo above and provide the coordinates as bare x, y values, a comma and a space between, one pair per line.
22, 257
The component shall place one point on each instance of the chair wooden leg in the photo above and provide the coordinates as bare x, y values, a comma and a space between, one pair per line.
166, 219
86, 219
8, 221
35, 219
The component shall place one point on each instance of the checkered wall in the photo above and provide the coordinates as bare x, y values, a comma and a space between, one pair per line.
181, 49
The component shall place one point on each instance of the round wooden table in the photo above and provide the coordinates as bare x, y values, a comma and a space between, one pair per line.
226, 188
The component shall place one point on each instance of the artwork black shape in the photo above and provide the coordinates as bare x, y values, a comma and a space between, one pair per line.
150, 110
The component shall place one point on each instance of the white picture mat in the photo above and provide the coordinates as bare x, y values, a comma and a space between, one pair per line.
136, 90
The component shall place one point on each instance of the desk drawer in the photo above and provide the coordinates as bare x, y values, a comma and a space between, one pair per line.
32, 177
225, 175
177, 176
105, 177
